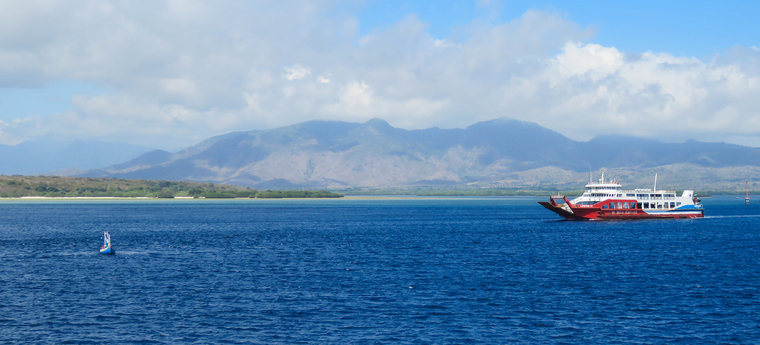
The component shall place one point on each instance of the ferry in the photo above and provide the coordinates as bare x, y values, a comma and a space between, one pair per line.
608, 200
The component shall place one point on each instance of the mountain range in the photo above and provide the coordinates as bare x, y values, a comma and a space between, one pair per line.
501, 152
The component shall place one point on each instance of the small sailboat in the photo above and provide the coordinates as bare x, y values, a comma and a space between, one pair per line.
746, 199
106, 248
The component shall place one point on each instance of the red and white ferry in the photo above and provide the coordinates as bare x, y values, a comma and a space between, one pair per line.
607, 200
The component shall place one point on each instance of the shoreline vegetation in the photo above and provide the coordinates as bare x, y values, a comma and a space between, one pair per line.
18, 186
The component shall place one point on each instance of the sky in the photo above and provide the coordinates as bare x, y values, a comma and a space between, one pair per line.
169, 73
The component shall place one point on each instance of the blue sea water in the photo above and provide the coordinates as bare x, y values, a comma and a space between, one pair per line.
420, 271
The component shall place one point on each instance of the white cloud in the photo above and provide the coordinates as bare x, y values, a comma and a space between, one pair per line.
179, 71
324, 79
592, 61
296, 72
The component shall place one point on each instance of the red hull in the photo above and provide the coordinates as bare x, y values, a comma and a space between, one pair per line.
578, 212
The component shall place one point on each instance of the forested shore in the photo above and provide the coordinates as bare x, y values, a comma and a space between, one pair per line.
17, 186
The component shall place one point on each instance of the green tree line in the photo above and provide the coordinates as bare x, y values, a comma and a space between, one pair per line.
57, 186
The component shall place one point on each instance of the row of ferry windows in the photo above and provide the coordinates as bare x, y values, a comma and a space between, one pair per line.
653, 196
660, 205
645, 205
639, 196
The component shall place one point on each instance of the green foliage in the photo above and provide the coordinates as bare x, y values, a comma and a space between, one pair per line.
56, 186
165, 194
269, 194
217, 195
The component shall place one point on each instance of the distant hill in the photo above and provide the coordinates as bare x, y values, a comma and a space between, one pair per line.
501, 152
63, 158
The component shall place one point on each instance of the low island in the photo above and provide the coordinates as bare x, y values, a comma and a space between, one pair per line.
18, 186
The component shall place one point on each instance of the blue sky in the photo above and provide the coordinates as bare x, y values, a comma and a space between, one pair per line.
53, 97
692, 28
170, 73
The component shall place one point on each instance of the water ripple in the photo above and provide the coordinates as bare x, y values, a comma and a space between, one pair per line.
493, 270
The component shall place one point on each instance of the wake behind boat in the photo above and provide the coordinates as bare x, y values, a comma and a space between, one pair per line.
607, 200
106, 248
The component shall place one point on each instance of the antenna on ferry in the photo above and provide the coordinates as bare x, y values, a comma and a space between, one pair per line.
655, 182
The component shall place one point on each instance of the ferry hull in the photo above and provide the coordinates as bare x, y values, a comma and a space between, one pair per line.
597, 213
558, 210
107, 251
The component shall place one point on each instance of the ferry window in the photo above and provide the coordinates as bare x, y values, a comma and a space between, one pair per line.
625, 205
633, 204
604, 206
678, 204
619, 205
672, 205
646, 205
638, 205
659, 205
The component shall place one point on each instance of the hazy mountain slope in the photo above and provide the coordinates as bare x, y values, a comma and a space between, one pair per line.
33, 158
341, 154
622, 151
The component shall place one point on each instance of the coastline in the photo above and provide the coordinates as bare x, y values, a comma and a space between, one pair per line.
347, 197
344, 198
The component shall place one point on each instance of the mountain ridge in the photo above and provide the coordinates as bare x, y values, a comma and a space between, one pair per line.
336, 154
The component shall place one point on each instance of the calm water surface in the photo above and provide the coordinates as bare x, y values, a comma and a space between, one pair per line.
481, 270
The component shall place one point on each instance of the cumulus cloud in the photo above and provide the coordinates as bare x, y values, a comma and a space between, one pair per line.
649, 94
296, 72
178, 72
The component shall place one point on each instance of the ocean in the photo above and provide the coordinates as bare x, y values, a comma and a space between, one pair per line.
373, 271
